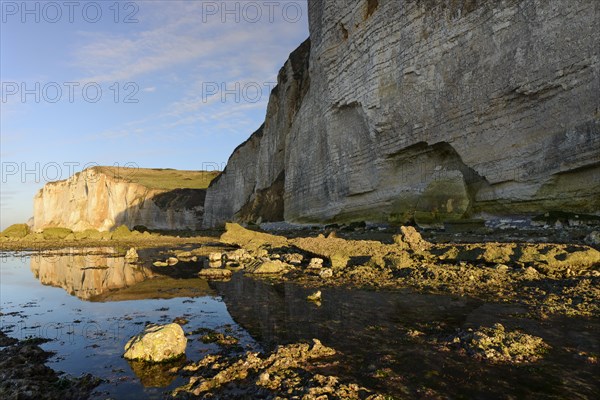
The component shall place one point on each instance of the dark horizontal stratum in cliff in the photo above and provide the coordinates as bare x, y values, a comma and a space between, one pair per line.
103, 198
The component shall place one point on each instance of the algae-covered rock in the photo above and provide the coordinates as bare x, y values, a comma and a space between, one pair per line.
158, 343
268, 267
34, 237
250, 240
121, 232
316, 296
16, 231
410, 238
56, 233
496, 344
215, 273
288, 372
91, 234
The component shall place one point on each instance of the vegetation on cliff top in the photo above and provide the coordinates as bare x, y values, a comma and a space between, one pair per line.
167, 179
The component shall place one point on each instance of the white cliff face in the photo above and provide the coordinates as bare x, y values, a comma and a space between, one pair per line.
437, 109
97, 200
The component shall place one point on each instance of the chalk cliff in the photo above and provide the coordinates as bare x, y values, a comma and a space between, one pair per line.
428, 110
103, 198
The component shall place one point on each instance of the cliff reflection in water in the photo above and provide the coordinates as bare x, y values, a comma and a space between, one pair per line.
87, 273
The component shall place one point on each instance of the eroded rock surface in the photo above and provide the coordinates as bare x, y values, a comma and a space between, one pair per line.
496, 344
24, 375
158, 343
289, 371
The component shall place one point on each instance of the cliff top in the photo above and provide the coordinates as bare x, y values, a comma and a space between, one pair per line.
165, 179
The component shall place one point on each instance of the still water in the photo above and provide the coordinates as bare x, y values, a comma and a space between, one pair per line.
91, 304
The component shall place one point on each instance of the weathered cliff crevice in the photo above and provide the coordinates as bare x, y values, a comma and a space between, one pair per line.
97, 198
434, 109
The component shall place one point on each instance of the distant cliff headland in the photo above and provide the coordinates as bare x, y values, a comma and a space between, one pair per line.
103, 198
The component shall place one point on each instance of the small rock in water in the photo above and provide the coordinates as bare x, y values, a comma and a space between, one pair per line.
239, 255
131, 255
315, 263
496, 344
593, 239
172, 261
316, 296
501, 267
158, 343
180, 320
295, 258
160, 264
214, 257
264, 378
558, 225
183, 255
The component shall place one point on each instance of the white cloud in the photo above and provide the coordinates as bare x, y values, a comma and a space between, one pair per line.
229, 48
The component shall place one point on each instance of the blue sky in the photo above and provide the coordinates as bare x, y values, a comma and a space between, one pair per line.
157, 84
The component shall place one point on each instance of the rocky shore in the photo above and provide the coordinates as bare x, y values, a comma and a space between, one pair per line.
24, 375
547, 278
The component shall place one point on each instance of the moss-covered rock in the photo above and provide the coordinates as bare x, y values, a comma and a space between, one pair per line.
121, 232
288, 372
56, 233
91, 234
158, 343
16, 231
496, 344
